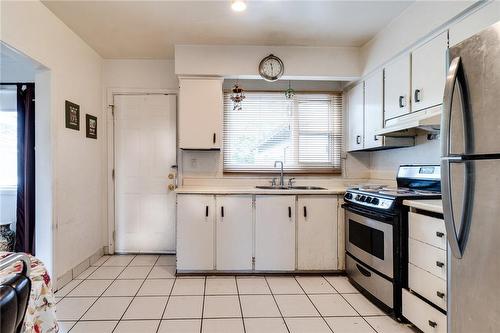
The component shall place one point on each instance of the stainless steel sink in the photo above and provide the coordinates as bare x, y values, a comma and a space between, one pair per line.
268, 187
306, 188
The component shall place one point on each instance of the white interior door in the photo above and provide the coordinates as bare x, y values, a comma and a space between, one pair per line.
145, 151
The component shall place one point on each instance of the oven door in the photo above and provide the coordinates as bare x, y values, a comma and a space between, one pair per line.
369, 238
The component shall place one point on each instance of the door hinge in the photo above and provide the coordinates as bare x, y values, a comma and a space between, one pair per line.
113, 174
253, 260
112, 106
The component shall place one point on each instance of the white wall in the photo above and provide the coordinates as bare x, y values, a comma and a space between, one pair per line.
73, 164
322, 63
418, 20
154, 74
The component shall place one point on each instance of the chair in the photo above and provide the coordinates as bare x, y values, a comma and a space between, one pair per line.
14, 294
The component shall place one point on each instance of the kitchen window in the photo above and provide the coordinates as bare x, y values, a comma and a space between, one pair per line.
304, 132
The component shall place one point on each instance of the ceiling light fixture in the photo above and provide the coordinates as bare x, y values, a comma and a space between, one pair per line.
238, 5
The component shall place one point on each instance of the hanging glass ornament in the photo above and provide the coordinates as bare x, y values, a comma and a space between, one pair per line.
289, 93
237, 96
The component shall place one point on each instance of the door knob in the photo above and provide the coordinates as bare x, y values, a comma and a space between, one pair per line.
171, 176
171, 187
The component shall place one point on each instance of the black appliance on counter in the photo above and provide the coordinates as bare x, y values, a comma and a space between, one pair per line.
376, 224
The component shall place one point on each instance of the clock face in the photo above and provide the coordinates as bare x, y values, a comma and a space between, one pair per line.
271, 68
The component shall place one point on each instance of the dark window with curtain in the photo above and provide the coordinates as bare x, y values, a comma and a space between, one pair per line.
17, 132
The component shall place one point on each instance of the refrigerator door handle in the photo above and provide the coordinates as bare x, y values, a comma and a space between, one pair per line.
457, 240
449, 89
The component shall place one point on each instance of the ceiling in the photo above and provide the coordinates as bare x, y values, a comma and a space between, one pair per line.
150, 29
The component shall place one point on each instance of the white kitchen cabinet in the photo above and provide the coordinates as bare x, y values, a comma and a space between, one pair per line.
317, 233
200, 113
428, 73
374, 110
355, 110
234, 232
274, 232
195, 232
397, 87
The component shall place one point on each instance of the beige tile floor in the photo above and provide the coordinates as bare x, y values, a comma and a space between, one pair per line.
140, 294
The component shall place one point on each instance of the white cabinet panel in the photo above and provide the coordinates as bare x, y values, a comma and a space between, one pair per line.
429, 258
317, 233
374, 109
355, 110
397, 88
195, 232
427, 285
234, 232
275, 232
428, 73
200, 113
474, 23
427, 229
422, 315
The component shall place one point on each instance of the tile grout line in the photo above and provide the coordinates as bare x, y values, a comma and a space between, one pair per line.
85, 312
133, 297
276, 302
239, 301
203, 303
168, 300
310, 300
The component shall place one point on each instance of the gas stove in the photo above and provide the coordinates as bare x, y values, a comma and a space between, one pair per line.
414, 182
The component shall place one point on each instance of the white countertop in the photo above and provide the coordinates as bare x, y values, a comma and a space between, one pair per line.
252, 190
435, 206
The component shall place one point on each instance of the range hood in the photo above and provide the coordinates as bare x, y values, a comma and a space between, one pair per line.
428, 120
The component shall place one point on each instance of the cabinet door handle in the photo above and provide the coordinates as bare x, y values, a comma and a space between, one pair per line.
439, 234
440, 294
439, 264
305, 211
363, 271
289, 212
416, 95
222, 211
358, 139
215, 138
375, 138
206, 211
401, 101
432, 323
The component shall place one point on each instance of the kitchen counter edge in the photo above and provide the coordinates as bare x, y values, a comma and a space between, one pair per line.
252, 190
435, 206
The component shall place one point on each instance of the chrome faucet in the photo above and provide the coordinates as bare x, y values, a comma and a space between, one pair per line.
282, 179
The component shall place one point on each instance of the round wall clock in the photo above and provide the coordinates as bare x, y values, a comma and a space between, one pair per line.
271, 68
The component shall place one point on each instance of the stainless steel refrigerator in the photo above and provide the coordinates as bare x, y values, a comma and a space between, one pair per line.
470, 172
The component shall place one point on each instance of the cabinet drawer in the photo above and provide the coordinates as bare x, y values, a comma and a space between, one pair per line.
427, 229
422, 315
427, 257
427, 285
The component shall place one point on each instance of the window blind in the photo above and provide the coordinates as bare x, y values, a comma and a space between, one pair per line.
304, 132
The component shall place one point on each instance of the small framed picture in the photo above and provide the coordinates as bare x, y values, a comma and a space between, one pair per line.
91, 122
72, 115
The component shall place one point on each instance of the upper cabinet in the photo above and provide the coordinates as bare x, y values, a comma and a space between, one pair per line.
428, 73
355, 104
397, 88
200, 113
374, 109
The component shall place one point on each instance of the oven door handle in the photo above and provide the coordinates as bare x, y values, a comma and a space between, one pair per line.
363, 271
369, 214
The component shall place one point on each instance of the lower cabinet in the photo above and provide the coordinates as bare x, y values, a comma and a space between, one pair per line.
275, 232
234, 232
257, 232
317, 232
195, 232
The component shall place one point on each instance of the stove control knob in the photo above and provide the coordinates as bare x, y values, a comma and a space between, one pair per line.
363, 198
368, 199
358, 197
348, 196
375, 201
